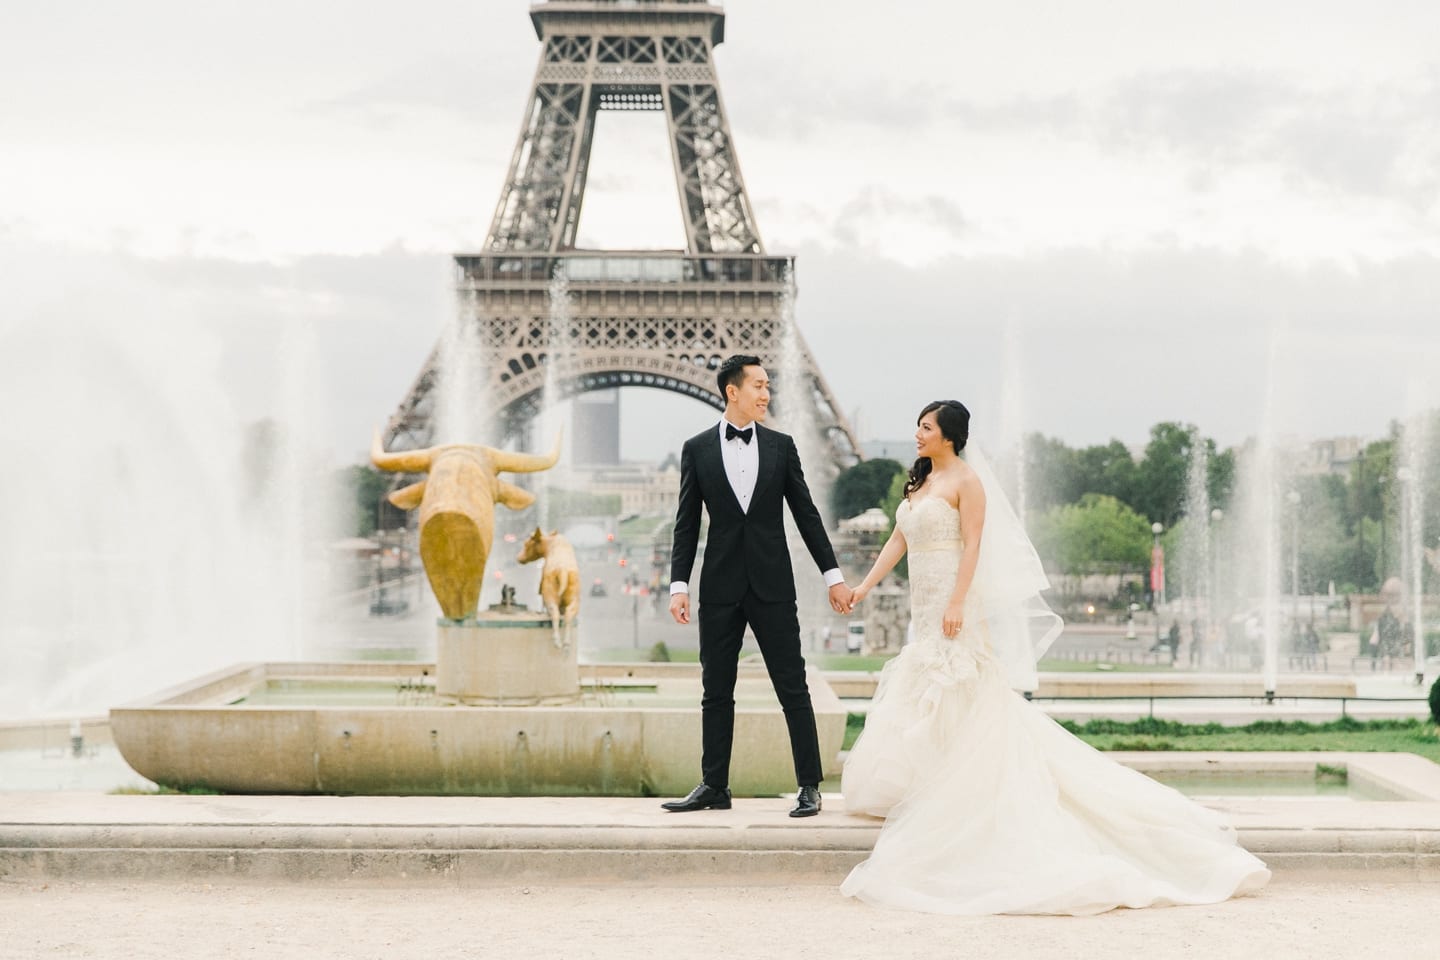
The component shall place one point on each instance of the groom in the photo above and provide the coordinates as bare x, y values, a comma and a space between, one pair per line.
741, 473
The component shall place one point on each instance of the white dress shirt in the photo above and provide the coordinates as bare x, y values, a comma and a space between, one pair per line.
742, 464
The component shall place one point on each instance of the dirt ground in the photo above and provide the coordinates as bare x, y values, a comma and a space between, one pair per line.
133, 921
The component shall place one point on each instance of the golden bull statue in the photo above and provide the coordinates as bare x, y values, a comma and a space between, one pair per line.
457, 510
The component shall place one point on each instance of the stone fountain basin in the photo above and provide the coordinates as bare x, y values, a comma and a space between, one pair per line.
378, 728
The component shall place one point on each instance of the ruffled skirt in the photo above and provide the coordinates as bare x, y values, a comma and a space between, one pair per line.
992, 807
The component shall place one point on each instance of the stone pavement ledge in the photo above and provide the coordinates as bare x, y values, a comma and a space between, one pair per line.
477, 841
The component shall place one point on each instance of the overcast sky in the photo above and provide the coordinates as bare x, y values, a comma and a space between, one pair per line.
1119, 211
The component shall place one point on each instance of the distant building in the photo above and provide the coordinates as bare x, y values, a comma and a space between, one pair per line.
1333, 456
595, 421
643, 489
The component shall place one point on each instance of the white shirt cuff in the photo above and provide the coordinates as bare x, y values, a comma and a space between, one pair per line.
833, 577
679, 586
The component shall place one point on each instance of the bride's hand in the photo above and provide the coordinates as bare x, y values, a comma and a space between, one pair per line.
858, 595
953, 619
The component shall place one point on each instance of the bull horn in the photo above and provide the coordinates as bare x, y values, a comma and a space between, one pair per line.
527, 462
407, 461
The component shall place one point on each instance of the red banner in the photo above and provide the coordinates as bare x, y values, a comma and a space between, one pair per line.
1157, 569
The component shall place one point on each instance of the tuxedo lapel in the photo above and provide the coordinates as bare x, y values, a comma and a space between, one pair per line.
715, 467
769, 450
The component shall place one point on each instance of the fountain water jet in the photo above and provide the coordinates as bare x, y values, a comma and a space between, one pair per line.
550, 418
1413, 456
1195, 547
1257, 539
1011, 438
795, 403
462, 406
146, 536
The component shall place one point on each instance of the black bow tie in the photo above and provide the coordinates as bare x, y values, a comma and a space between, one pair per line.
731, 433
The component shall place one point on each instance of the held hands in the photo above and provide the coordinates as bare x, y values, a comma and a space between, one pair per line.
841, 598
680, 608
858, 594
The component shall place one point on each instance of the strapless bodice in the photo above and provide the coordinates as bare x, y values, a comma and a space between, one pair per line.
929, 523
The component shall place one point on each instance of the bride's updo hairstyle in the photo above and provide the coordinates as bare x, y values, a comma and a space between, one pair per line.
954, 422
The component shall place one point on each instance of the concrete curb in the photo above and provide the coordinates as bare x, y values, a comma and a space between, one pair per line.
472, 842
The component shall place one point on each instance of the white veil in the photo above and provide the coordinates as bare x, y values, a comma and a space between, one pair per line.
1004, 597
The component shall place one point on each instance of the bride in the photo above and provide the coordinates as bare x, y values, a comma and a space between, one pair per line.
989, 805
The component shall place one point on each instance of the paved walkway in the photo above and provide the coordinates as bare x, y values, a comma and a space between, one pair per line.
200, 921
89, 875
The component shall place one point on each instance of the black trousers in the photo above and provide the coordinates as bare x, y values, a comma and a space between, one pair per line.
777, 629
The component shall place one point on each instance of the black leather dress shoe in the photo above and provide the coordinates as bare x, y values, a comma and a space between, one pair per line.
703, 797
807, 802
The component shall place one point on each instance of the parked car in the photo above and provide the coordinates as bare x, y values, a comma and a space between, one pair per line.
855, 637
597, 589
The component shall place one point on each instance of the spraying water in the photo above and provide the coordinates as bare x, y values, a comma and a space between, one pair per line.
796, 402
152, 533
1413, 455
1268, 483
1195, 547
561, 354
462, 405
1012, 417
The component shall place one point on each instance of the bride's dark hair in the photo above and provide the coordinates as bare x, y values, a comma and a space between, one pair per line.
954, 422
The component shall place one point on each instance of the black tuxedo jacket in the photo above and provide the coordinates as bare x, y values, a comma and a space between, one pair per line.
744, 550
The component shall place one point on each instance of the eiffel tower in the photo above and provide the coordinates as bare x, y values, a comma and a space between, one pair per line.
658, 319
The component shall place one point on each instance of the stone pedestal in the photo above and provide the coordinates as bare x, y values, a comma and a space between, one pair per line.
504, 659
887, 615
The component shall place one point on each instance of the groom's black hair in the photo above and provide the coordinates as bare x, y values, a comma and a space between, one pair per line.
733, 371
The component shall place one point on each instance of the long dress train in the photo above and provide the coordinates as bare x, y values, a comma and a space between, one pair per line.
992, 807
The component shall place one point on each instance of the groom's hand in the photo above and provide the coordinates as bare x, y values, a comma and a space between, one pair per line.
680, 608
841, 598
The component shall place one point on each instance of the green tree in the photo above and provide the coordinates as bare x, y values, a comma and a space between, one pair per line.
1051, 477
1097, 535
1162, 474
1220, 476
891, 504
1365, 519
863, 486
364, 487
1108, 470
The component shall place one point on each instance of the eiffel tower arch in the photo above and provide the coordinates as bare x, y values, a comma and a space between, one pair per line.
656, 319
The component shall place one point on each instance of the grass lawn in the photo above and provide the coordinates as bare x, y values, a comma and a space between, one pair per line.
638, 655
846, 661
1345, 734
640, 528
1077, 666
822, 661
851, 661
1360, 736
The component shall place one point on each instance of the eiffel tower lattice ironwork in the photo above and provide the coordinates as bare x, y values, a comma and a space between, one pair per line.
659, 319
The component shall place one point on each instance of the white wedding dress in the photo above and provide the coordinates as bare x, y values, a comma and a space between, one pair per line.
992, 807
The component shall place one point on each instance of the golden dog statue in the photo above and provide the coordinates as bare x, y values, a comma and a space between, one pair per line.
559, 580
